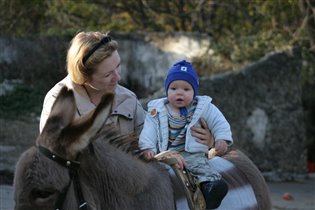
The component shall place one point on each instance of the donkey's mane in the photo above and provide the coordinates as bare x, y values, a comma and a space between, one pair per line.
127, 143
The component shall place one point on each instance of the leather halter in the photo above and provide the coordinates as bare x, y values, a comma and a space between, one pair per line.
73, 167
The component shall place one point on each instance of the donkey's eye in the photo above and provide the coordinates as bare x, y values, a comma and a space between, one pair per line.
42, 198
37, 193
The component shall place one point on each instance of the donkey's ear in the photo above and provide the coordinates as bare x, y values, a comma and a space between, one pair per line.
78, 134
61, 115
63, 111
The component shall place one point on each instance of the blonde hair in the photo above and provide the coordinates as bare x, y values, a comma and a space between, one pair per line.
80, 46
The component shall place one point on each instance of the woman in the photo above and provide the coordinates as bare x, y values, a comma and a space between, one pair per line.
94, 68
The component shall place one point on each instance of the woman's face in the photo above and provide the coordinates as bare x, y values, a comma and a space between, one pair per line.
107, 74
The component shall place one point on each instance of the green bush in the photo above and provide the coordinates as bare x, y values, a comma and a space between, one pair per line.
23, 102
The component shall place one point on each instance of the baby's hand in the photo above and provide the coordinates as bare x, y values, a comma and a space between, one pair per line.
221, 147
148, 154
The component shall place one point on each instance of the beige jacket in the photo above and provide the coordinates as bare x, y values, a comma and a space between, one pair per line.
127, 115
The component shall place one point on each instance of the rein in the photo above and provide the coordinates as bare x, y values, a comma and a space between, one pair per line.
73, 167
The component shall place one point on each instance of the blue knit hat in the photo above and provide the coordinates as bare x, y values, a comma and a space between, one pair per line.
182, 70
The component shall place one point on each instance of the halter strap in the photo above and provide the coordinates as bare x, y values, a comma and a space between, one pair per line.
70, 164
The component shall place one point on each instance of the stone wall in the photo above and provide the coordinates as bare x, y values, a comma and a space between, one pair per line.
33, 59
263, 104
145, 57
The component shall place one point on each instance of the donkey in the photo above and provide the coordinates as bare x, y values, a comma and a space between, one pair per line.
77, 165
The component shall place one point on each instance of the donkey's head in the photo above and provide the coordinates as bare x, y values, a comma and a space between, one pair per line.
38, 180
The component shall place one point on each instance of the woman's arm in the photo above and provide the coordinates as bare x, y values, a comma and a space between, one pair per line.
139, 118
47, 105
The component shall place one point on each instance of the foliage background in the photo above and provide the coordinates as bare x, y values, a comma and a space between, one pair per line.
242, 30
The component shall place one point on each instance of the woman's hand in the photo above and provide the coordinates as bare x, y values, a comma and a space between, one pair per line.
202, 134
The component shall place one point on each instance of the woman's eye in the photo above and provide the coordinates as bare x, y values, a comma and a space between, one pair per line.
107, 75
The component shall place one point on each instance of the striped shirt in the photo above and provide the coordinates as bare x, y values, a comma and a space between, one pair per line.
178, 127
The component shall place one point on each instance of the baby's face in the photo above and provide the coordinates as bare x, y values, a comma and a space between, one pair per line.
180, 94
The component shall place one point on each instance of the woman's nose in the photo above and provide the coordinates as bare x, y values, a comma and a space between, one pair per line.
117, 74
